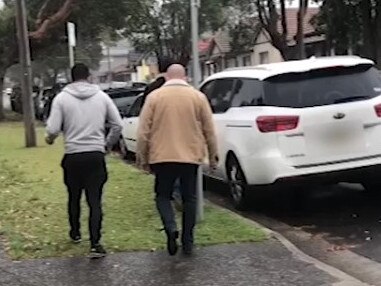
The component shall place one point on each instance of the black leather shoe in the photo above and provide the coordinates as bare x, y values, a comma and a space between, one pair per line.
188, 249
172, 246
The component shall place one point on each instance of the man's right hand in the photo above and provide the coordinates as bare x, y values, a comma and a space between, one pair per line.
213, 164
49, 140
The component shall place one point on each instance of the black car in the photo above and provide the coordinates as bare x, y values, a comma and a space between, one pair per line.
16, 100
48, 96
124, 98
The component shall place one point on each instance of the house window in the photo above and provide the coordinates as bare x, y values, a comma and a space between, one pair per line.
247, 61
264, 58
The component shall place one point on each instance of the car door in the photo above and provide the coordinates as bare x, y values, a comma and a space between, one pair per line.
219, 93
131, 124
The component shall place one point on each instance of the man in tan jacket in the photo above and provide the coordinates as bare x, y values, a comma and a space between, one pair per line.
175, 123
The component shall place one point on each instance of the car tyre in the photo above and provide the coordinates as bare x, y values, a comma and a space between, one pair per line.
237, 184
124, 153
372, 188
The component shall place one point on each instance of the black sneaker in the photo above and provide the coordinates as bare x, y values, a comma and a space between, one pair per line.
75, 237
172, 246
188, 249
97, 251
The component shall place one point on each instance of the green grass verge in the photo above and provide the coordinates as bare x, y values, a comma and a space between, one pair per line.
33, 215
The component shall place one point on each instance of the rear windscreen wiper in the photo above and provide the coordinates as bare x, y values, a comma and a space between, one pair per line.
352, 98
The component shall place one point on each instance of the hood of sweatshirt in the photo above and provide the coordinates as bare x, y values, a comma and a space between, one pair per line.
82, 90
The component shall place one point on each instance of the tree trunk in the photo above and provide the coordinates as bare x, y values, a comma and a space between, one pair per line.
366, 11
2, 112
300, 32
378, 36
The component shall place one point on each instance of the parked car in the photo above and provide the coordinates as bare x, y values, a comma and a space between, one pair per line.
124, 97
16, 99
316, 120
127, 143
48, 95
139, 84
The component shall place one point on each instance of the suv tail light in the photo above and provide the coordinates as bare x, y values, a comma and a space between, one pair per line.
377, 108
268, 124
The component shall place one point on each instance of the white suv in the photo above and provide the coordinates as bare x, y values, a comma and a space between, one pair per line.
297, 121
293, 122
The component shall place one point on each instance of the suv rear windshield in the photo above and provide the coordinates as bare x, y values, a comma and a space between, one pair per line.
323, 87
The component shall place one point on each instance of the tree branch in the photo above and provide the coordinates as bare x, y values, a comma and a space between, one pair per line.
59, 17
284, 20
42, 13
262, 18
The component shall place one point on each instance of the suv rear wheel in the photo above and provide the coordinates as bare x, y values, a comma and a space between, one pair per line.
372, 187
237, 184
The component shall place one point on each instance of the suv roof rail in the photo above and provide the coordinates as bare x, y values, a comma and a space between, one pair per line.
337, 57
246, 68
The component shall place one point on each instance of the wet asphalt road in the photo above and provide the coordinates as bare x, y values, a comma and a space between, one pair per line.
343, 215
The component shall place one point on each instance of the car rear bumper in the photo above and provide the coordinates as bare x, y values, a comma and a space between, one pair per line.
355, 175
272, 171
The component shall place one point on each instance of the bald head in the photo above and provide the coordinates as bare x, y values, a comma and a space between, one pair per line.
176, 71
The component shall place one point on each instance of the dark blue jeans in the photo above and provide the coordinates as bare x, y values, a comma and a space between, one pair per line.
166, 175
85, 172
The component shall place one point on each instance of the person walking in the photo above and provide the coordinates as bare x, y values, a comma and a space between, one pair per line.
175, 124
80, 112
164, 63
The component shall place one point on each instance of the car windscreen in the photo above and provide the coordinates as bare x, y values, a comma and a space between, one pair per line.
124, 102
323, 87
124, 93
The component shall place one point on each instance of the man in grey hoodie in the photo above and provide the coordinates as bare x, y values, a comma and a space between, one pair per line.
80, 112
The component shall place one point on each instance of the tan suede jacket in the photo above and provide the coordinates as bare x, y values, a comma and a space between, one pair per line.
176, 126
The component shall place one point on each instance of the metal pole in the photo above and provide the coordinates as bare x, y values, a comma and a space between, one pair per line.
195, 5
109, 74
200, 195
26, 74
71, 56
71, 42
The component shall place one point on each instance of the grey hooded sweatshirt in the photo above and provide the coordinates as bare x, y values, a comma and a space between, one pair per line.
80, 112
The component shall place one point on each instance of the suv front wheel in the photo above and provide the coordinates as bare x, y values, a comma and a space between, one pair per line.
237, 184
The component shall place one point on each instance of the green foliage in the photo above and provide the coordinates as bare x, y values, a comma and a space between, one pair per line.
354, 24
166, 28
51, 52
8, 51
243, 25
341, 22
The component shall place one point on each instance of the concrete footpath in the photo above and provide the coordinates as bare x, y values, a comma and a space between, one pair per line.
268, 263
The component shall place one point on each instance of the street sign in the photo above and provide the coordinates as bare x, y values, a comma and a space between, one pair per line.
71, 42
71, 34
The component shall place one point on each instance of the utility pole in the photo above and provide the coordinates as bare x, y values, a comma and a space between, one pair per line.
195, 5
26, 74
